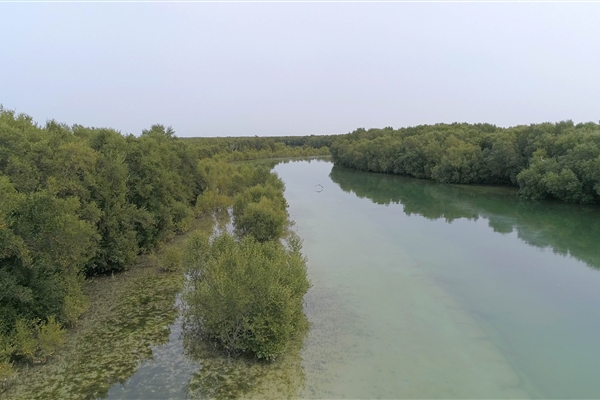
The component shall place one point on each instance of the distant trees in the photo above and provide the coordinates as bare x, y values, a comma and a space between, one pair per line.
245, 148
560, 161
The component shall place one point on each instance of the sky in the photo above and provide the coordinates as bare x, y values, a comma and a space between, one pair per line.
244, 69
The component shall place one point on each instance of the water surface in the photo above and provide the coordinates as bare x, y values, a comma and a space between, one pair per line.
427, 290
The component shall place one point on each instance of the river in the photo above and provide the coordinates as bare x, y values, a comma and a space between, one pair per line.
424, 290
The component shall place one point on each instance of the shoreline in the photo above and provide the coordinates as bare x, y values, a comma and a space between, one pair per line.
129, 314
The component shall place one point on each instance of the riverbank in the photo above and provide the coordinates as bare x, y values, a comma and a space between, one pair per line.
129, 314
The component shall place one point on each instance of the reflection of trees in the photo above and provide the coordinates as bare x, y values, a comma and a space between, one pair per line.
222, 376
567, 229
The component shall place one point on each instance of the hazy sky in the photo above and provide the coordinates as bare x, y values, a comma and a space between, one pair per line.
234, 69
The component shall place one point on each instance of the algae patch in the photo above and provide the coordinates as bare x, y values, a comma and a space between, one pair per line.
108, 347
223, 377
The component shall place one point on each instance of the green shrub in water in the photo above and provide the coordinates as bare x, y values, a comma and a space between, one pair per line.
75, 302
31, 341
50, 335
211, 201
246, 295
262, 220
260, 211
170, 260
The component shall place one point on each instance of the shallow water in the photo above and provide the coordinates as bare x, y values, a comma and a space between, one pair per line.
428, 290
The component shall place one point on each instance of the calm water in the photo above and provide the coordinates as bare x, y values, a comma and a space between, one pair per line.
428, 290
420, 290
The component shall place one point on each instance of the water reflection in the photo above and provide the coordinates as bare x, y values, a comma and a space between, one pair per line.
566, 228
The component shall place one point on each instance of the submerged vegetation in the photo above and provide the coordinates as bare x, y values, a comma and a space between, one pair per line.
80, 202
546, 161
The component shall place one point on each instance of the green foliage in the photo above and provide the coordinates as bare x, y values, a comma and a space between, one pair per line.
246, 148
211, 201
50, 336
80, 201
263, 220
31, 341
24, 341
246, 295
6, 366
75, 302
560, 161
170, 259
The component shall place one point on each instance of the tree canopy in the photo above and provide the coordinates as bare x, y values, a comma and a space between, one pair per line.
546, 161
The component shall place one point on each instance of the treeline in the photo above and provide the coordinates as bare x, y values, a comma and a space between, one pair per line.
78, 201
560, 161
253, 148
246, 289
566, 229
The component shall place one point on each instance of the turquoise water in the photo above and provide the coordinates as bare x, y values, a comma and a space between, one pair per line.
427, 290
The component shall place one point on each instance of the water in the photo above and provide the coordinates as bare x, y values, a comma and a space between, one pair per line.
428, 290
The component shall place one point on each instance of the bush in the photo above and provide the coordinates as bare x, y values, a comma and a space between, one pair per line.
31, 341
75, 302
260, 211
6, 372
24, 342
246, 295
211, 201
50, 335
183, 217
262, 221
170, 260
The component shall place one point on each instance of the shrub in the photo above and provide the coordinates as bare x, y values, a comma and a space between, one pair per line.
246, 295
260, 211
170, 260
183, 217
24, 341
262, 220
273, 191
50, 335
75, 302
6, 372
211, 201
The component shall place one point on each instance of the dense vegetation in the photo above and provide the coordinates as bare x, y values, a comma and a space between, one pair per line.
246, 291
80, 201
253, 148
560, 161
